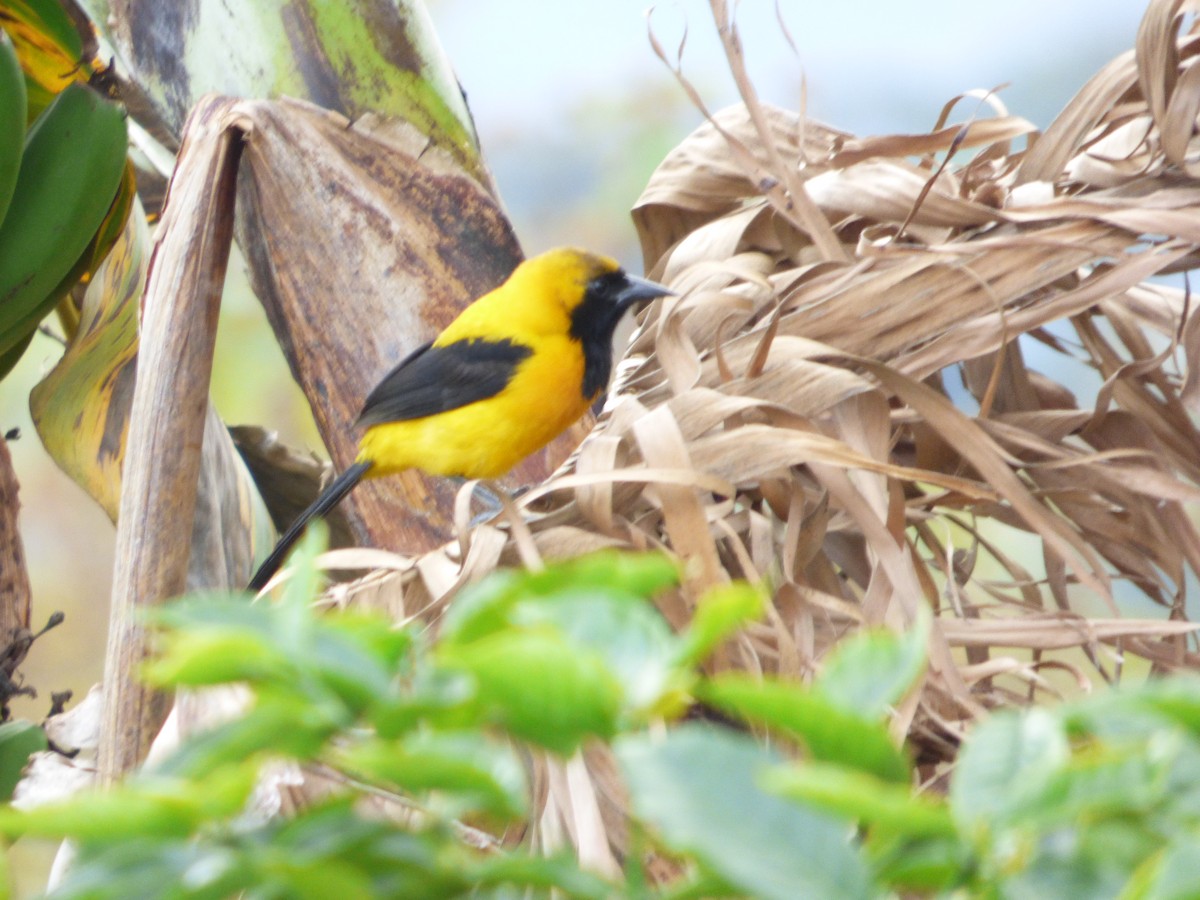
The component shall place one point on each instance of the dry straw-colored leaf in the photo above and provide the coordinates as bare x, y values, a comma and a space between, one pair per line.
815, 402
979, 401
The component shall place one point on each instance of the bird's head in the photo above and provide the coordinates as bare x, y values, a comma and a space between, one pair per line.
592, 290
592, 293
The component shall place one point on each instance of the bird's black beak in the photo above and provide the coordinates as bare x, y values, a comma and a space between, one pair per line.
638, 290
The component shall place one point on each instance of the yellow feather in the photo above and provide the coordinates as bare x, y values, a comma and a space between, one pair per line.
539, 309
543, 398
538, 298
487, 438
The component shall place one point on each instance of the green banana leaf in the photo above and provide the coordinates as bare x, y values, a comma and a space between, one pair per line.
13, 95
352, 57
66, 207
12, 356
107, 235
52, 57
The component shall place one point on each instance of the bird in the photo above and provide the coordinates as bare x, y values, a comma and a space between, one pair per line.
515, 369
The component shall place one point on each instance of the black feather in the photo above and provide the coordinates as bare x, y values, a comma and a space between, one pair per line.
592, 324
594, 321
328, 499
434, 380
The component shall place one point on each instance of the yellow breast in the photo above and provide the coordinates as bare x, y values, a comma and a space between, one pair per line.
487, 438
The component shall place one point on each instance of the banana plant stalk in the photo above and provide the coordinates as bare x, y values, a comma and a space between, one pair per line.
163, 456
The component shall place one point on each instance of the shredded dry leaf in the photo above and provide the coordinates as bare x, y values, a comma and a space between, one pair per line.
979, 400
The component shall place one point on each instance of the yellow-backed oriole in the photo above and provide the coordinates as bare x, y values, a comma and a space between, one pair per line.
508, 375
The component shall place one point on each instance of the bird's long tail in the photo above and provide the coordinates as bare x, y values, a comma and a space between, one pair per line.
329, 498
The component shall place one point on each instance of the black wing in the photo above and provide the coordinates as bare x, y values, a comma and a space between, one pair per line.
433, 380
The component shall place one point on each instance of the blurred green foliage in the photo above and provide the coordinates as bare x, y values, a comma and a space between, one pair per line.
1099, 798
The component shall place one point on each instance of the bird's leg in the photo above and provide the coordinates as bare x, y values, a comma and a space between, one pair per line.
488, 495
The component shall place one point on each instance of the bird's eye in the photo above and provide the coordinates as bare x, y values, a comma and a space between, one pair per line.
608, 284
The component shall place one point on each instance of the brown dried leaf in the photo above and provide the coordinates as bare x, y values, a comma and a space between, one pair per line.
797, 420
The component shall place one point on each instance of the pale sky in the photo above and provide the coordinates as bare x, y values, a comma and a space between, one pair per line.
535, 73
859, 57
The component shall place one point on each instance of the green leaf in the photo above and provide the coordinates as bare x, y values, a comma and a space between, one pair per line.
721, 612
1177, 698
699, 789
471, 774
539, 686
872, 670
556, 872
18, 741
1088, 860
401, 863
586, 621
922, 864
828, 732
211, 656
862, 799
1132, 712
1007, 763
278, 726
214, 640
1169, 874
348, 662
1181, 792
10, 357
214, 610
1104, 781
435, 695
71, 168
146, 806
484, 608
142, 867
306, 581
312, 879
629, 634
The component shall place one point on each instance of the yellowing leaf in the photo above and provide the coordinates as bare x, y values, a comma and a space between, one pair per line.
48, 46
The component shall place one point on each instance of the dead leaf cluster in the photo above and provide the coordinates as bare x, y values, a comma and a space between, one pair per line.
943, 370
966, 384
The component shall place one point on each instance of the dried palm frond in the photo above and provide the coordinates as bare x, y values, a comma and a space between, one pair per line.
794, 419
893, 418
